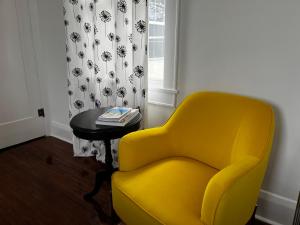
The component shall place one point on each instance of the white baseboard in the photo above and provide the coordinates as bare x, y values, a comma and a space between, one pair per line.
273, 208
268, 221
61, 131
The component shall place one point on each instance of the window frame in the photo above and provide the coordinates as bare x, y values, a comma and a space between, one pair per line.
166, 95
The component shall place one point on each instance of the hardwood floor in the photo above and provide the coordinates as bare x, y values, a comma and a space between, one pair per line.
43, 184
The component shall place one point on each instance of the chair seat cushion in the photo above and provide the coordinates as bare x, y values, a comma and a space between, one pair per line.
169, 192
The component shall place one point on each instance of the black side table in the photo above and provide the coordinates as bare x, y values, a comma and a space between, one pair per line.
84, 127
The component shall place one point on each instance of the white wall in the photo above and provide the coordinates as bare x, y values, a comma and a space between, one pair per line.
252, 48
50, 35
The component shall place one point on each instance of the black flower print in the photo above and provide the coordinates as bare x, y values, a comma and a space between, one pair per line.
70, 93
117, 81
97, 43
66, 22
83, 89
97, 103
87, 30
73, 2
95, 29
139, 73
131, 78
126, 22
81, 7
67, 48
122, 6
92, 97
125, 65
99, 80
121, 92
81, 56
88, 82
85, 46
134, 90
91, 6
121, 51
70, 114
143, 93
135, 3
68, 64
107, 92
105, 17
94, 152
125, 103
78, 104
141, 28
90, 65
134, 95
106, 57
96, 69
84, 149
77, 72
134, 47
68, 83
111, 74
111, 37
95, 3
78, 19
87, 27
75, 37
130, 37
118, 39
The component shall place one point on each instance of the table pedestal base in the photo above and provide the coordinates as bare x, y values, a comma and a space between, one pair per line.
104, 176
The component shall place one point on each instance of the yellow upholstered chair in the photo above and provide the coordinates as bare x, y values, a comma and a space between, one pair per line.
205, 166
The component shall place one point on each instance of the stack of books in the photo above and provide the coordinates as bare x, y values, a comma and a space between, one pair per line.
117, 116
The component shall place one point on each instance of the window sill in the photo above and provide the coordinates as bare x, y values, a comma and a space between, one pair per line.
162, 96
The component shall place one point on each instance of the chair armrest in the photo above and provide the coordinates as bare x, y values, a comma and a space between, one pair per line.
143, 147
231, 194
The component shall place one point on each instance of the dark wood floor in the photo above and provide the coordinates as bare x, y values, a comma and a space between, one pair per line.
43, 184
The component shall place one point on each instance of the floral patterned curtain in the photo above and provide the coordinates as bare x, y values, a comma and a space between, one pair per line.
106, 59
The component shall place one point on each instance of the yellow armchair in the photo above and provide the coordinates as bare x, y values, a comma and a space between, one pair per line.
205, 166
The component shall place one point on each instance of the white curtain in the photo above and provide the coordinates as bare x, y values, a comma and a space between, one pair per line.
106, 43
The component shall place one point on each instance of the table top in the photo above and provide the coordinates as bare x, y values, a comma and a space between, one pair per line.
84, 126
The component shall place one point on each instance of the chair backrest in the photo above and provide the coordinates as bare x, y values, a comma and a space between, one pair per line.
218, 128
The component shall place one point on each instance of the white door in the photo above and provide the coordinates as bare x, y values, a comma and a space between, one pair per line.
19, 85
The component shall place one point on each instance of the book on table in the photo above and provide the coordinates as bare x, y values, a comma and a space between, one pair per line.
114, 114
117, 116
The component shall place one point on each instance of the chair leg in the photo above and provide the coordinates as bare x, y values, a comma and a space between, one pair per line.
114, 218
252, 220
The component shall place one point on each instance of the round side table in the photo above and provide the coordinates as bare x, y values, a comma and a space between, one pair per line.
84, 127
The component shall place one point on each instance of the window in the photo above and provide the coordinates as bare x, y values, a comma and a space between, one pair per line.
163, 22
156, 42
